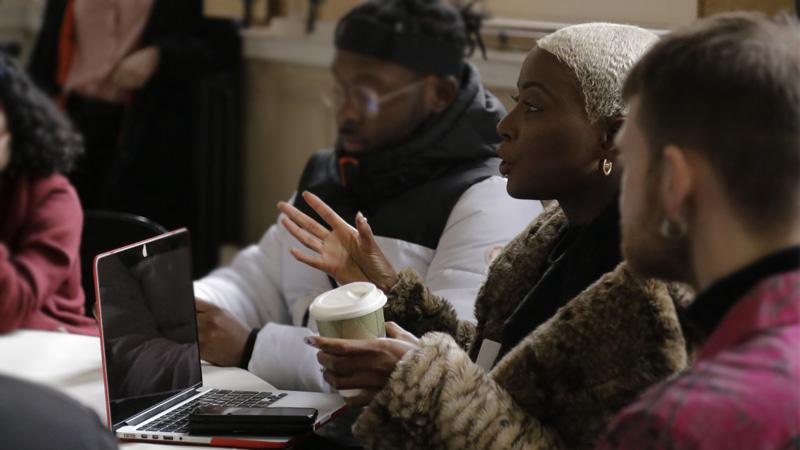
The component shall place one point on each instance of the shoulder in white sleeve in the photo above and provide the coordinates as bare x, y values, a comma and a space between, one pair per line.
250, 287
483, 220
281, 357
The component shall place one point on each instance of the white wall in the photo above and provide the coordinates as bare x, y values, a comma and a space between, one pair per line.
649, 13
20, 21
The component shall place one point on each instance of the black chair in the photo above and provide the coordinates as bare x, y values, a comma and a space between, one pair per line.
104, 231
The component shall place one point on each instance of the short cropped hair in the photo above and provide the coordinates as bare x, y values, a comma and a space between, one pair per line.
728, 87
43, 140
600, 55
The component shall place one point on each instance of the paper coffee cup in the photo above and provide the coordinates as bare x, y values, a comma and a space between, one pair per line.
352, 311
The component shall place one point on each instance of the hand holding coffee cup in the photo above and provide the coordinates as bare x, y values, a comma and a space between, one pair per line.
352, 311
363, 365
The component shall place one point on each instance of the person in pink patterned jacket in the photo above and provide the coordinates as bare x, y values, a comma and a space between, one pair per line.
711, 195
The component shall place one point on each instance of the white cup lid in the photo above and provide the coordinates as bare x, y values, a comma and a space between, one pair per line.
347, 302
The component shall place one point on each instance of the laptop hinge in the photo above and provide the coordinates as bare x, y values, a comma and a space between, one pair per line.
172, 401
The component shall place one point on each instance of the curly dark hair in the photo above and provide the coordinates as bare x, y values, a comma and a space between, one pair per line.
43, 140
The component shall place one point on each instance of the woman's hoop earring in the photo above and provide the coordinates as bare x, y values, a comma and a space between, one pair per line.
606, 166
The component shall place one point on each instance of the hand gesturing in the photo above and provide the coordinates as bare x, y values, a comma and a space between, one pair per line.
347, 254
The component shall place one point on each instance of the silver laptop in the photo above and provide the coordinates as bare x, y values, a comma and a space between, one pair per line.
151, 359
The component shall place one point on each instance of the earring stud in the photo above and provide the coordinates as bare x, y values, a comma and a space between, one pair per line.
606, 166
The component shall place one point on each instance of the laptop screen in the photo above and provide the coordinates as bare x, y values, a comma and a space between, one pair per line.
149, 327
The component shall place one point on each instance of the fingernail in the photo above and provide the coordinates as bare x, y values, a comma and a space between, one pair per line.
310, 341
361, 217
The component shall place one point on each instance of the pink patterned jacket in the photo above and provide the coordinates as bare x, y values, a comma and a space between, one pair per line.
743, 391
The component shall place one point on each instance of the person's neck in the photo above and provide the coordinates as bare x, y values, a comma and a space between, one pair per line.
582, 207
721, 246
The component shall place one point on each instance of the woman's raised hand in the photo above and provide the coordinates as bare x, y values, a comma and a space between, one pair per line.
347, 254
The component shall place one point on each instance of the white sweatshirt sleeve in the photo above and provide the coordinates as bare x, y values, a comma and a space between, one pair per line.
483, 221
250, 286
267, 288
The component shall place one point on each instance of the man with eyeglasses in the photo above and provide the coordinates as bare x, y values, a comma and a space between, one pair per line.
415, 155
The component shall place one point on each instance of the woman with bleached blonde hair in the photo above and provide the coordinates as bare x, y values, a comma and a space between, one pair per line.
566, 333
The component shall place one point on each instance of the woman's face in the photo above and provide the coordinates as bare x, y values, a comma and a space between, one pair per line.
5, 141
550, 149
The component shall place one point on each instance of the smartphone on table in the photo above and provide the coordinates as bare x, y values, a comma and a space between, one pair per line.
269, 421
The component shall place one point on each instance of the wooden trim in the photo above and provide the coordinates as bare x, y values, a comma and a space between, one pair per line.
711, 7
520, 34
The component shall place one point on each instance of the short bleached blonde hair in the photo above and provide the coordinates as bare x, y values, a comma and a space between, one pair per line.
601, 55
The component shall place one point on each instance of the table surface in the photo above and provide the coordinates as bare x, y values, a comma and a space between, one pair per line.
71, 364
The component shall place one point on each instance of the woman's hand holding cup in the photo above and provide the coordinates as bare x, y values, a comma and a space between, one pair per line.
356, 356
363, 365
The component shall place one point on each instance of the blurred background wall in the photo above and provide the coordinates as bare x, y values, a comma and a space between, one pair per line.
19, 23
285, 69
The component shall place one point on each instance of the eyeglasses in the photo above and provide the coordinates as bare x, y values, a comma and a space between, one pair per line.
365, 100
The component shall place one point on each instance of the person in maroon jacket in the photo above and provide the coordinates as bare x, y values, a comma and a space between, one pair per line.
40, 215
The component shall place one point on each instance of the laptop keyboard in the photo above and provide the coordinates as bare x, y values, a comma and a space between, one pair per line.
177, 421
